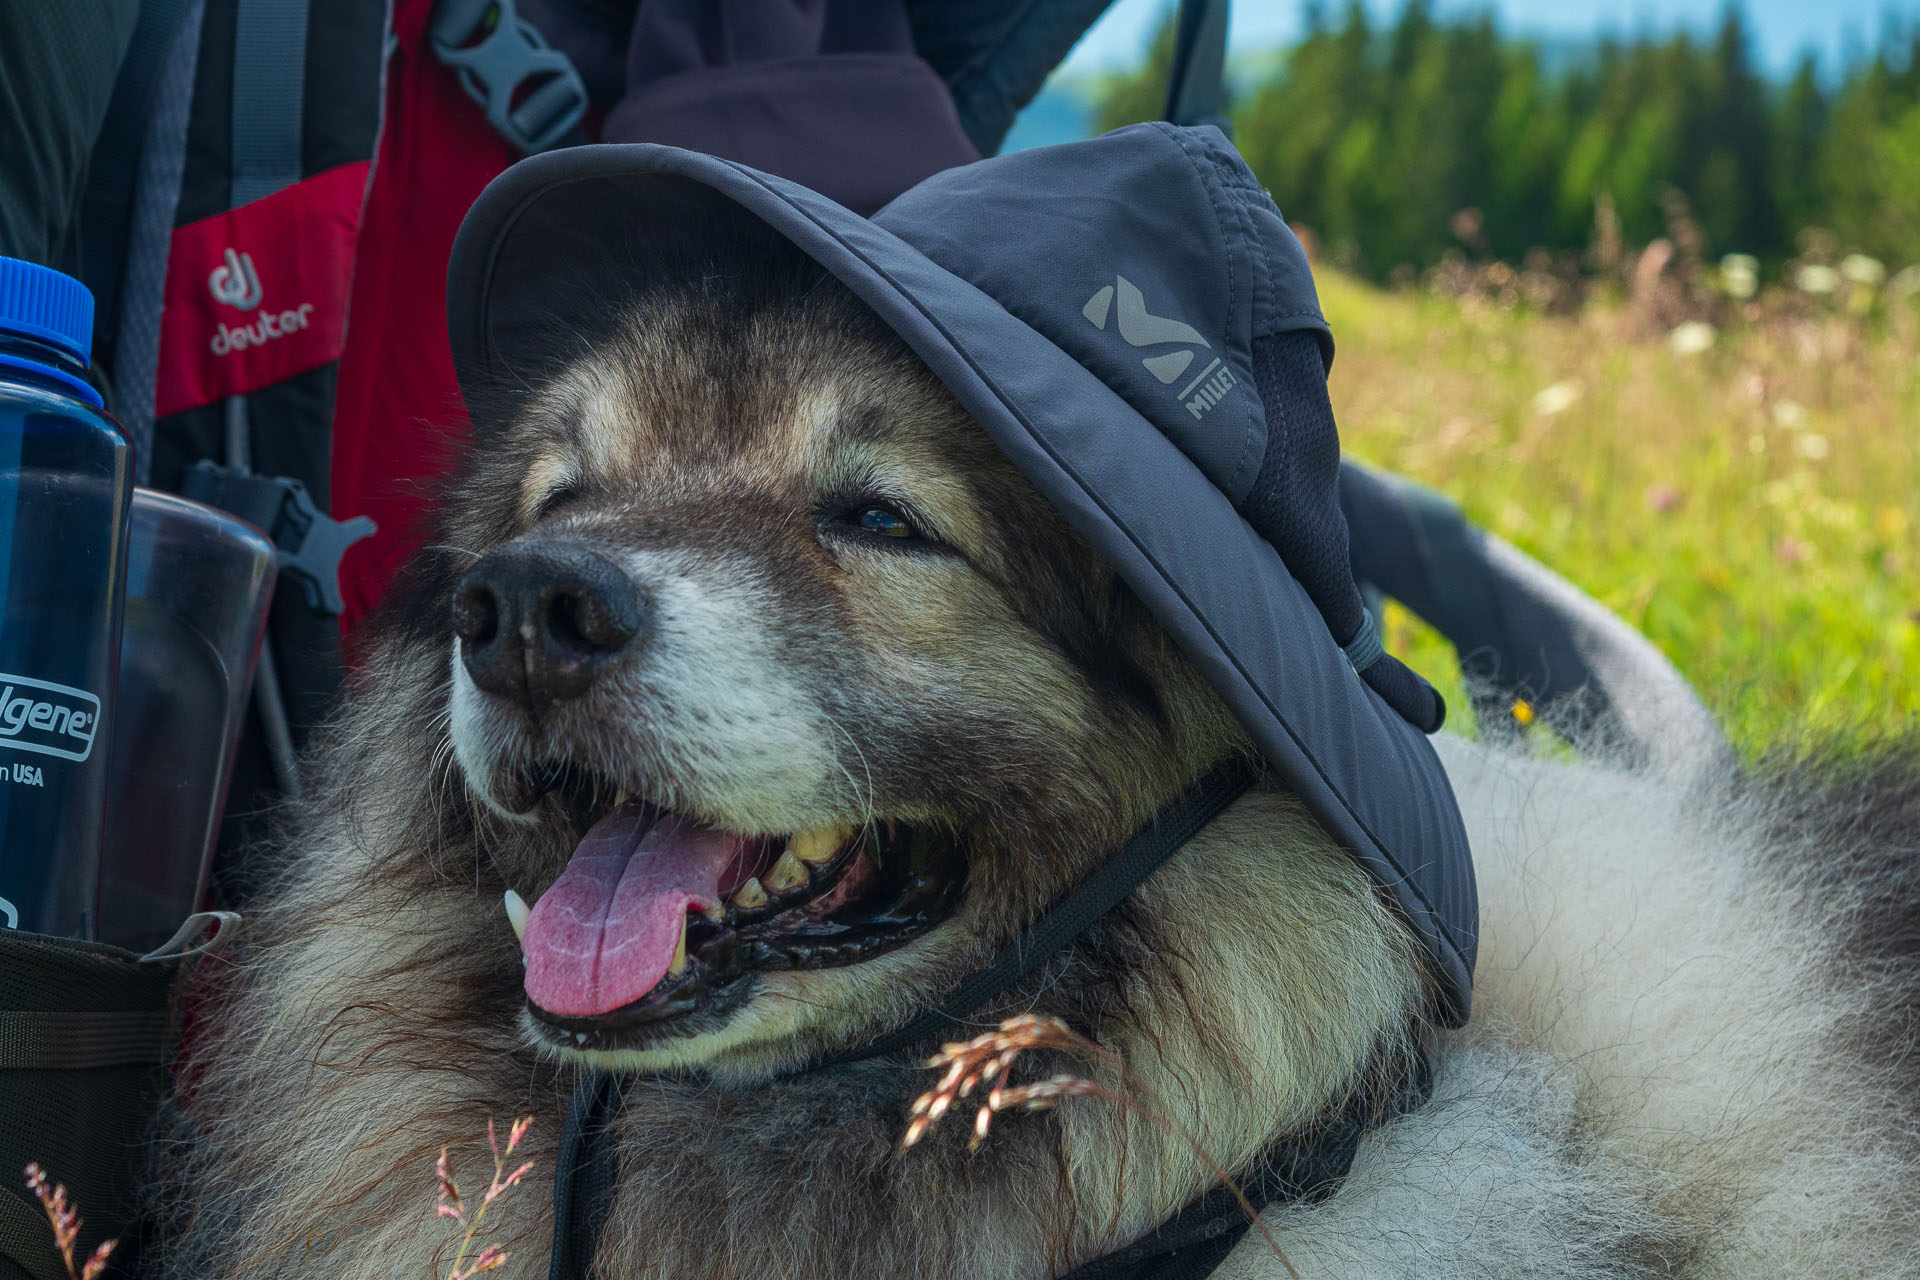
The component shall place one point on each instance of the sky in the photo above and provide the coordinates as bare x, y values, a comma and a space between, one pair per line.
1781, 28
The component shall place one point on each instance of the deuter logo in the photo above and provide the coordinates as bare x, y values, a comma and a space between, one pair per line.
48, 719
229, 338
258, 294
1123, 302
237, 284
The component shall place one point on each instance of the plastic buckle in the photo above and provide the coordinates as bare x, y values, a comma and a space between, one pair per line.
307, 542
531, 92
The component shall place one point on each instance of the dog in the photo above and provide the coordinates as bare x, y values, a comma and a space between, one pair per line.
744, 588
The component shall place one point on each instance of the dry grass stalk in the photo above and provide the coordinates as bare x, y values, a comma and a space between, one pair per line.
453, 1205
983, 1063
64, 1217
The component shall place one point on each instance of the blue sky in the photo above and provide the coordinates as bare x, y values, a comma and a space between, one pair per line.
1782, 28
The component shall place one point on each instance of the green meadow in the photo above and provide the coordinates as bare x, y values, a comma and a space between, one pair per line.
1744, 493
1654, 317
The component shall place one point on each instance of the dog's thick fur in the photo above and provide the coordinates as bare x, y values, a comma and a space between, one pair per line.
1693, 1011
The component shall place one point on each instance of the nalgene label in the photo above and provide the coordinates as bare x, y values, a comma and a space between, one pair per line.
49, 719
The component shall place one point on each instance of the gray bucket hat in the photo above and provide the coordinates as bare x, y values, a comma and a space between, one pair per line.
1134, 325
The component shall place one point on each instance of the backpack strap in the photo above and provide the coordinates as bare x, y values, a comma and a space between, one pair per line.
127, 226
1196, 84
1522, 632
269, 96
113, 165
269, 121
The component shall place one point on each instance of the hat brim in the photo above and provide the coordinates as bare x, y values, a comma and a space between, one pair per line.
1219, 589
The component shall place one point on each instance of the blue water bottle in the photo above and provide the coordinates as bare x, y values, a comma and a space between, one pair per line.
65, 488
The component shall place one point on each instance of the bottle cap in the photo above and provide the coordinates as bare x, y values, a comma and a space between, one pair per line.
41, 303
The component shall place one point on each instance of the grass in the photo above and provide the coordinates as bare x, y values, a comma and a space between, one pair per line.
1751, 506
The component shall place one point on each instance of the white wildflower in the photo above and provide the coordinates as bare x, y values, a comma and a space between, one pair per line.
1817, 279
1789, 414
1691, 338
1740, 275
1861, 269
1812, 446
1556, 399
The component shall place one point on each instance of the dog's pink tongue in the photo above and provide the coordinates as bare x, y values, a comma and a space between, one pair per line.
605, 933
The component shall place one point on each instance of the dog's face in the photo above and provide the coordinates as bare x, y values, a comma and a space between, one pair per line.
800, 699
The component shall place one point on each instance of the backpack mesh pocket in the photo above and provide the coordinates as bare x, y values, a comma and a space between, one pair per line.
83, 1042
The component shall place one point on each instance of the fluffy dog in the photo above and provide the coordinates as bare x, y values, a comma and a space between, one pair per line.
744, 589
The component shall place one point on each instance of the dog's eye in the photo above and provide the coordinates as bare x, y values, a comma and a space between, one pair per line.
884, 521
561, 497
867, 519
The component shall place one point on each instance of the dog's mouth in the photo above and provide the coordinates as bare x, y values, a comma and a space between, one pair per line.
658, 915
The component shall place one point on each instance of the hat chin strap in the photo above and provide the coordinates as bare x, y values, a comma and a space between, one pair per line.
584, 1174
1103, 890
1298, 1168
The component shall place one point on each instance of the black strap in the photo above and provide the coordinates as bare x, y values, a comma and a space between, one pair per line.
583, 1176
1300, 1169
1195, 86
583, 1182
63, 1040
1092, 898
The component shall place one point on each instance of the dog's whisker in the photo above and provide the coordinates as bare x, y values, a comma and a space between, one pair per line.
865, 801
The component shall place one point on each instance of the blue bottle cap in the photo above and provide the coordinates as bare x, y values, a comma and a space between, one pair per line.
41, 303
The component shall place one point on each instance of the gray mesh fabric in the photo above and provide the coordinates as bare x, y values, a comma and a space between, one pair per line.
1295, 505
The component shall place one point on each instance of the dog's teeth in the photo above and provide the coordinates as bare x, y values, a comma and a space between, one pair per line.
620, 798
715, 913
750, 895
788, 873
579, 1037
679, 965
819, 845
517, 912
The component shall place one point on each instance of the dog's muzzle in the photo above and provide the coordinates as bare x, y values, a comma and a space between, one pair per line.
539, 621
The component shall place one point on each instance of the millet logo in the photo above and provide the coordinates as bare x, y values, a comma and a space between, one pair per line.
1123, 301
48, 719
236, 284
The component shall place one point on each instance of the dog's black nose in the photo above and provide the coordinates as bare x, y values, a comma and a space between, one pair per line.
538, 621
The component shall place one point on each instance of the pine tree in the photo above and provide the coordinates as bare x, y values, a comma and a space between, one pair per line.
1380, 139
